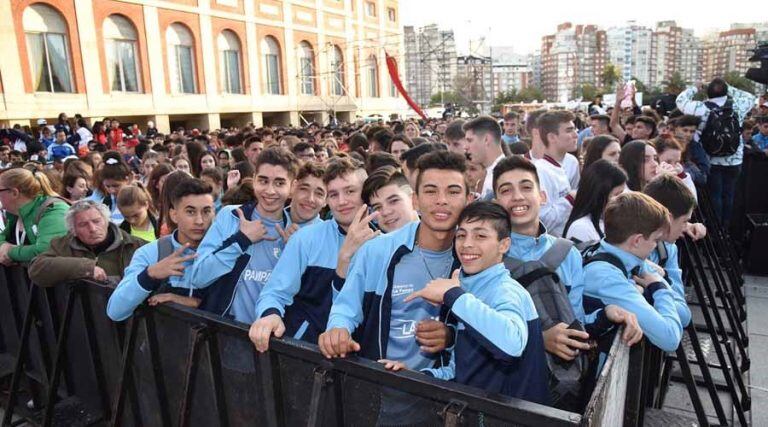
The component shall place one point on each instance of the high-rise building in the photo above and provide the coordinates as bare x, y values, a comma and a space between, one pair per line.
430, 62
730, 50
674, 50
573, 56
534, 60
207, 64
510, 70
629, 49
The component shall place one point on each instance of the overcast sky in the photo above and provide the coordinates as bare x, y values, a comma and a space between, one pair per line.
522, 24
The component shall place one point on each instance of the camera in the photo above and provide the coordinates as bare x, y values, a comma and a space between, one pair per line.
759, 75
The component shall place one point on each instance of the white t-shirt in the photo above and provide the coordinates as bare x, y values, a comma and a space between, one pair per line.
572, 166
488, 182
583, 230
554, 182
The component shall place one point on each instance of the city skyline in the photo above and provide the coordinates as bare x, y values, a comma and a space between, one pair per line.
530, 25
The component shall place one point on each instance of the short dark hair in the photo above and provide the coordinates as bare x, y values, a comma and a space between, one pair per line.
251, 140
455, 130
278, 156
633, 213
602, 118
443, 160
482, 125
310, 169
380, 159
550, 122
761, 119
687, 120
488, 211
412, 156
649, 121
672, 193
301, 146
189, 187
533, 117
382, 177
717, 88
383, 138
214, 173
511, 115
340, 166
513, 163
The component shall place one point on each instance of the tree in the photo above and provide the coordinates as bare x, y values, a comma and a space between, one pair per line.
609, 77
530, 94
502, 98
441, 98
587, 92
737, 80
675, 84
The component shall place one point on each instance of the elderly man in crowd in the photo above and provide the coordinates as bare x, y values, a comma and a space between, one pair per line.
94, 248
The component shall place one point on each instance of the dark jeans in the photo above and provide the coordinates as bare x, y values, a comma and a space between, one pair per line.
722, 187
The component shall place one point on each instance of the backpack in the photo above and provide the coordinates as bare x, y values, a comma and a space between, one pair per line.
164, 250
722, 132
550, 297
48, 202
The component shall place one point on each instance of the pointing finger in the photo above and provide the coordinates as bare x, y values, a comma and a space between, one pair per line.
412, 296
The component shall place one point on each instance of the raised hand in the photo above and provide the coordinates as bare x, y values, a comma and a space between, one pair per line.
288, 232
233, 178
254, 230
172, 265
435, 290
358, 233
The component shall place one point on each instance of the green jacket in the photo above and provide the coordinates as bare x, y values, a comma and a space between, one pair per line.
68, 259
50, 226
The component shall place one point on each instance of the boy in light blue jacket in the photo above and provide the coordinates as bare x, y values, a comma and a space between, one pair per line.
166, 261
499, 345
237, 255
616, 273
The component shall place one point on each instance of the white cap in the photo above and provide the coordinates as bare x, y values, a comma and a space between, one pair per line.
41, 122
150, 123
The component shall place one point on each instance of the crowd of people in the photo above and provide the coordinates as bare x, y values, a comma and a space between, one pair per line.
494, 253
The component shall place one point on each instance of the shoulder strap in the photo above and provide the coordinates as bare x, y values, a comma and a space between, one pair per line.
661, 248
610, 259
164, 247
48, 202
557, 253
512, 264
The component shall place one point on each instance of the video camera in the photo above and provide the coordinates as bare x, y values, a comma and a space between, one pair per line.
759, 75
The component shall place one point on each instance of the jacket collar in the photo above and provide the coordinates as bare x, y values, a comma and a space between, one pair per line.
77, 245
493, 274
526, 243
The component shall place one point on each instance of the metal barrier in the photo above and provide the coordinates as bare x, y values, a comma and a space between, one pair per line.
172, 365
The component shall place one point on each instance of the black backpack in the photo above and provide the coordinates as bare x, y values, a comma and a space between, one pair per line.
722, 132
550, 297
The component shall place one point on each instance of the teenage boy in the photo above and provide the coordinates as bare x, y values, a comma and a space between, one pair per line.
483, 136
673, 194
307, 198
634, 224
499, 344
385, 271
165, 263
242, 247
697, 164
298, 295
516, 185
558, 134
387, 192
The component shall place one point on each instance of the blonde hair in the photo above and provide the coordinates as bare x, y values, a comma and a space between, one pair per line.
30, 184
132, 195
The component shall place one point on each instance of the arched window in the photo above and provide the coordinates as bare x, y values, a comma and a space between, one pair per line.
229, 54
48, 49
272, 65
373, 76
121, 50
337, 67
181, 59
307, 68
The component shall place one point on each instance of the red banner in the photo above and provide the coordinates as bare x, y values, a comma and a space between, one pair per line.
392, 67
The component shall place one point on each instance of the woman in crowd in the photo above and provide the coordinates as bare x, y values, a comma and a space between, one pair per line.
399, 145
180, 163
155, 183
600, 182
639, 161
670, 154
165, 222
135, 203
75, 186
35, 215
602, 147
113, 176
